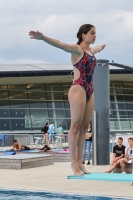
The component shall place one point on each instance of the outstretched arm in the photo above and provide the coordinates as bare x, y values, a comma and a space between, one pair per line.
71, 48
99, 48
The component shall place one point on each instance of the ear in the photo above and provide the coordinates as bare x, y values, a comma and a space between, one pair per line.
83, 36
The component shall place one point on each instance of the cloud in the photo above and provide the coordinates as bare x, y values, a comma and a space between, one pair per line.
61, 20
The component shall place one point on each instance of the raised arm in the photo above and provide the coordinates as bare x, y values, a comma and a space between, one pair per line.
97, 49
71, 48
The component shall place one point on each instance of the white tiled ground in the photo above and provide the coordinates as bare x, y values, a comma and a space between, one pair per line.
54, 178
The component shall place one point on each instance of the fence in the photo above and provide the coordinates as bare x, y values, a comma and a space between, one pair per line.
60, 139
24, 139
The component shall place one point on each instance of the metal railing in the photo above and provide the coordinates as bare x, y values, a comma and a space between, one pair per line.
24, 139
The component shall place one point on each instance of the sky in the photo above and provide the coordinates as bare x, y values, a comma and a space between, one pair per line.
61, 19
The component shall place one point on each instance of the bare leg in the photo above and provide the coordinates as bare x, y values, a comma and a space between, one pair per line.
81, 135
46, 138
113, 166
122, 164
77, 99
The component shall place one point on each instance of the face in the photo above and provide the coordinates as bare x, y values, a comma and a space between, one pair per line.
90, 37
130, 142
119, 142
15, 143
89, 126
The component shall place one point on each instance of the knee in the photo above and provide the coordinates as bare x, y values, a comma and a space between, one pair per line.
77, 126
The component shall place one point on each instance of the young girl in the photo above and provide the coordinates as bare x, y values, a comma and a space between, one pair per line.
81, 96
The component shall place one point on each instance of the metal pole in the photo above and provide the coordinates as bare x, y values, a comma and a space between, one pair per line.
94, 139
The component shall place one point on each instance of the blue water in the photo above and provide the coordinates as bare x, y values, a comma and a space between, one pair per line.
30, 195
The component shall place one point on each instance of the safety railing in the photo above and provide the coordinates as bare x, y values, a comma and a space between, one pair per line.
24, 139
55, 140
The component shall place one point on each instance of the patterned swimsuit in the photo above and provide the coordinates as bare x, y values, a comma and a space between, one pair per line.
86, 68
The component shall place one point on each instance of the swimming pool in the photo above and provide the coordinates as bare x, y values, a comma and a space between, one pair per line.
31, 195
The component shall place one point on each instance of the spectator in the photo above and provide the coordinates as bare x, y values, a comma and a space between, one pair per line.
128, 156
60, 131
46, 149
45, 133
118, 154
51, 132
18, 146
88, 142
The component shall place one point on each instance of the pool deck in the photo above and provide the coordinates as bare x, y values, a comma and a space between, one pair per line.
53, 178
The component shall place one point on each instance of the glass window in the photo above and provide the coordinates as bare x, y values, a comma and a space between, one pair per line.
125, 124
39, 114
3, 94
122, 106
131, 123
129, 106
63, 122
49, 104
59, 104
35, 87
118, 84
18, 87
4, 104
60, 114
112, 98
119, 91
128, 84
20, 124
130, 114
120, 98
20, 113
36, 95
49, 96
3, 87
129, 98
4, 113
68, 113
113, 105
67, 104
112, 125
58, 95
37, 104
17, 94
56, 87
128, 91
5, 125
123, 114
18, 104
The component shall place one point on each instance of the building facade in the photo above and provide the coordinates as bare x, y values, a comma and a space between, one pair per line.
31, 95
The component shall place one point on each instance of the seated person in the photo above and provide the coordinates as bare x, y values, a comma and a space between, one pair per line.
128, 156
118, 154
46, 149
18, 146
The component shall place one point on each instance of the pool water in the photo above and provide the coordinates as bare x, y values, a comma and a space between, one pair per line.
30, 195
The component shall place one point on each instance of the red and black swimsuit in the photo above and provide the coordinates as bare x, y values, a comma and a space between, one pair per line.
86, 68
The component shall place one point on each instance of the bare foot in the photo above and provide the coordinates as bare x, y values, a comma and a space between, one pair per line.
107, 172
76, 169
82, 168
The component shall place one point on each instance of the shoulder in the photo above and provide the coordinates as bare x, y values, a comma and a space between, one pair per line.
116, 146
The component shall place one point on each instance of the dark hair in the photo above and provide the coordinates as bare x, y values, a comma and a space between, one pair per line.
46, 123
85, 28
120, 138
14, 141
90, 124
45, 146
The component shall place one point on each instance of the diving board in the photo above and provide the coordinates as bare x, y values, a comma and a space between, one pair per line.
99, 176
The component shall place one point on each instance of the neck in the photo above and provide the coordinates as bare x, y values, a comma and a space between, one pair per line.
84, 45
131, 146
120, 145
